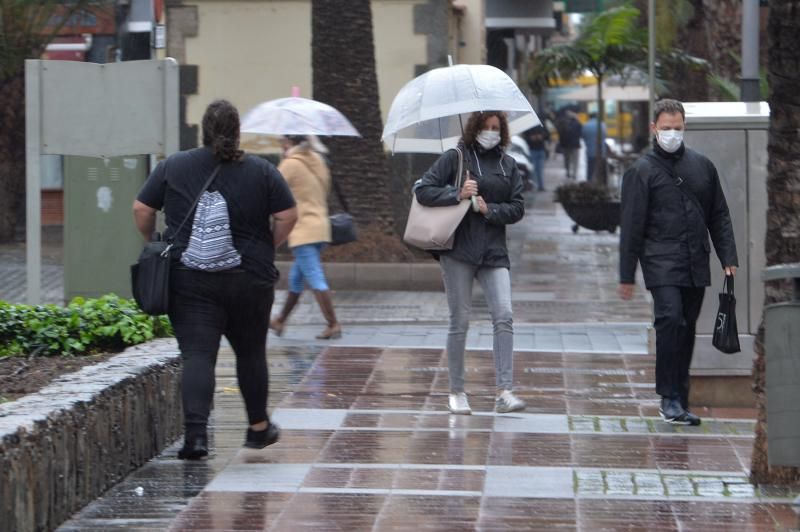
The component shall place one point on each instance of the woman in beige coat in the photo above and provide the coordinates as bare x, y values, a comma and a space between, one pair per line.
310, 180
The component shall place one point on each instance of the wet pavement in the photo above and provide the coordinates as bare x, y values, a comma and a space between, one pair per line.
367, 443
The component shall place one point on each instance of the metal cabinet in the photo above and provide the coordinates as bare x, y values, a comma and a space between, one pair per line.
100, 239
782, 348
733, 135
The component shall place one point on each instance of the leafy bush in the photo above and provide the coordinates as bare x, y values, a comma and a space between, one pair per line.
583, 192
85, 326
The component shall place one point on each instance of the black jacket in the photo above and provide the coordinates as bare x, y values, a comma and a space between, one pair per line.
664, 229
480, 240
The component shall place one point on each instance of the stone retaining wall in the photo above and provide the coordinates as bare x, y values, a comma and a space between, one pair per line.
63, 447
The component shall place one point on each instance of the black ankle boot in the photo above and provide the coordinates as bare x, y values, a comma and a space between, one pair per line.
195, 447
258, 439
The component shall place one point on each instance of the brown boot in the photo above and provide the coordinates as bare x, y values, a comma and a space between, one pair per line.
333, 330
277, 325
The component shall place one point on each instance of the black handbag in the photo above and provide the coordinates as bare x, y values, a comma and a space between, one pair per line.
343, 225
726, 333
150, 274
343, 228
150, 277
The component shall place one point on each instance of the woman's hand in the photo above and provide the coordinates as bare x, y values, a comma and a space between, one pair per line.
482, 207
730, 270
469, 189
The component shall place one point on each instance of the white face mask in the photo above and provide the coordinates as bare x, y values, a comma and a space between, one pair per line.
488, 139
669, 139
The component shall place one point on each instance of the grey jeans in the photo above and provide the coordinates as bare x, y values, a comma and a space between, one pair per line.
496, 284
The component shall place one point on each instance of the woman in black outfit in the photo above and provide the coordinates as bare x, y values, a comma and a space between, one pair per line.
235, 302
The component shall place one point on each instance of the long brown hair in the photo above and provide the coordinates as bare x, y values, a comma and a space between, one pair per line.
476, 122
221, 130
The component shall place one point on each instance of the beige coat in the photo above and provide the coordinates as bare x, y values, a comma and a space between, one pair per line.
310, 181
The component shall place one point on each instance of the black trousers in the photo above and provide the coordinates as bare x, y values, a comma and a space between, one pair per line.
676, 309
205, 305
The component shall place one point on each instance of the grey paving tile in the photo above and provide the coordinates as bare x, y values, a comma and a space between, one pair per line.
260, 477
528, 482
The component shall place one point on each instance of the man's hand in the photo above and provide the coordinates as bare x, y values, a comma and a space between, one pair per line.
625, 290
730, 270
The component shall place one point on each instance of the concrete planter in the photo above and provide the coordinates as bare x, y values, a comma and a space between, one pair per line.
63, 447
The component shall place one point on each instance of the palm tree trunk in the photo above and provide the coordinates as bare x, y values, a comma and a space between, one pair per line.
782, 242
343, 59
12, 154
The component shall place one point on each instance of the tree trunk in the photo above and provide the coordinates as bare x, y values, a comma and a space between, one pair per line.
724, 26
343, 60
598, 172
694, 82
12, 154
782, 242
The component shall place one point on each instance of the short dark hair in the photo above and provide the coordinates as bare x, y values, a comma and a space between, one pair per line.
221, 130
476, 122
669, 106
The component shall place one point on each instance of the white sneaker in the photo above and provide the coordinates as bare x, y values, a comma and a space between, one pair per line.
458, 404
508, 402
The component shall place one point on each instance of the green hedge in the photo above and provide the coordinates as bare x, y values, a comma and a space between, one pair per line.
83, 327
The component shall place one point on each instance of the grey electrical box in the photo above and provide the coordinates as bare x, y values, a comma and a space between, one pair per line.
100, 238
733, 135
782, 352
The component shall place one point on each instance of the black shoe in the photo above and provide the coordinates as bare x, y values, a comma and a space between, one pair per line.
690, 419
194, 447
258, 439
673, 413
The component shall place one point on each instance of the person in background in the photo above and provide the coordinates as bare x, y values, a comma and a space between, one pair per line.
589, 134
569, 141
235, 302
537, 138
479, 250
671, 201
304, 168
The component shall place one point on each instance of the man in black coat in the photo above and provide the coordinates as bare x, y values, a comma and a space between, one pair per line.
671, 201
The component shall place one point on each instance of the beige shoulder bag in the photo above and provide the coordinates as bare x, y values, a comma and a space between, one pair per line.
434, 228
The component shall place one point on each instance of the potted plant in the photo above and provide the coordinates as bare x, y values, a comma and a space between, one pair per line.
590, 206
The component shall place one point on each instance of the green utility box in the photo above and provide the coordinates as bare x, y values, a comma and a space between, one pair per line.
782, 351
100, 238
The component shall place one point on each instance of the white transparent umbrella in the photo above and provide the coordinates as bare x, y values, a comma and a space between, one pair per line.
428, 113
297, 116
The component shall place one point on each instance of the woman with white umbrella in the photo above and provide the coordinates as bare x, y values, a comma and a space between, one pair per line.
479, 249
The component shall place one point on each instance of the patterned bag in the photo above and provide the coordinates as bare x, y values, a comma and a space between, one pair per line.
210, 246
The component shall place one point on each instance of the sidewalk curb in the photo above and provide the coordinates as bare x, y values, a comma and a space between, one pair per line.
413, 276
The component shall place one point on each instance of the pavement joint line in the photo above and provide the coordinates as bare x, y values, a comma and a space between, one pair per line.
594, 480
528, 421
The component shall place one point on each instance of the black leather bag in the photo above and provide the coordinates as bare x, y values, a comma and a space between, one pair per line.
343, 229
726, 332
150, 278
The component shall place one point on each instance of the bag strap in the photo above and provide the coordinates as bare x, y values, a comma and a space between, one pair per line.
727, 285
678, 182
196, 201
460, 174
335, 184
